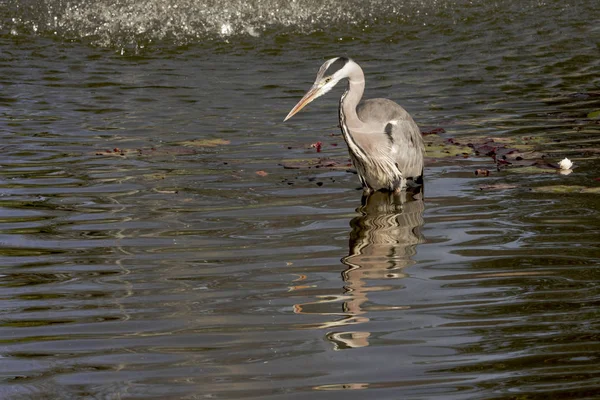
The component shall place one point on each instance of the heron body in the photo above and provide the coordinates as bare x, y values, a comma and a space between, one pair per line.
384, 142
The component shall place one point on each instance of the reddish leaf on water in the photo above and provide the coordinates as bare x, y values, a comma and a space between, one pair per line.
317, 146
262, 173
431, 131
482, 172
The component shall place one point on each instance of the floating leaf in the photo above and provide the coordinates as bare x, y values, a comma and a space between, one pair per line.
595, 190
593, 150
499, 186
438, 147
154, 177
166, 191
148, 151
115, 152
567, 189
431, 131
533, 169
205, 142
594, 114
262, 173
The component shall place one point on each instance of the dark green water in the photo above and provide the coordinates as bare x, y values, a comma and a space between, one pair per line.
142, 256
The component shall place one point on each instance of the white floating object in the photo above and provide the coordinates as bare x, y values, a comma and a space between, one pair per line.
565, 164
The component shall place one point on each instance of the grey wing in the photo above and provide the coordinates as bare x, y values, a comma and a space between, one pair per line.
398, 136
406, 146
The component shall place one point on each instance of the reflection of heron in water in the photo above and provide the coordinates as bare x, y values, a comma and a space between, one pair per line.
384, 142
382, 242
384, 236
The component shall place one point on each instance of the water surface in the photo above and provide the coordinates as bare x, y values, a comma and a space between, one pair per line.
142, 256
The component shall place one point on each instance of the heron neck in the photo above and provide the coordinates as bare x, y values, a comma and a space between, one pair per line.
356, 88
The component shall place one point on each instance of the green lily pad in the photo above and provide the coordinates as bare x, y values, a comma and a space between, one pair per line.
567, 189
594, 114
498, 186
205, 142
591, 190
438, 147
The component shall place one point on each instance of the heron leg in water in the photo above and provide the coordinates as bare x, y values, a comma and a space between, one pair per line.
402, 186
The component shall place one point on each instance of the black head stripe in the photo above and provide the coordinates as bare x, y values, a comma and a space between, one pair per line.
337, 65
330, 67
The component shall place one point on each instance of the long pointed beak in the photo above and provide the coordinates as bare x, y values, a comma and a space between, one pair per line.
312, 94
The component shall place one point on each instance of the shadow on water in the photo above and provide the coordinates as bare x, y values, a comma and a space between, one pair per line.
382, 243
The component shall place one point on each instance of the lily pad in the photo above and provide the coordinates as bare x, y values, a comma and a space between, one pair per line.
594, 114
205, 142
438, 147
154, 177
532, 169
148, 151
567, 189
499, 186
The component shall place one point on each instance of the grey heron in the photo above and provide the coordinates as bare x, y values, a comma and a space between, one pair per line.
384, 142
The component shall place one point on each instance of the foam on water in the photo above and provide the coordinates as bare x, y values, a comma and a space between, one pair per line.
132, 22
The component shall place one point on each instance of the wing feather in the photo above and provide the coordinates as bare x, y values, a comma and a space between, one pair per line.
394, 135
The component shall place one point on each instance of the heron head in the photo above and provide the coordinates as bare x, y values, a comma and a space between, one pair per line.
323, 83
